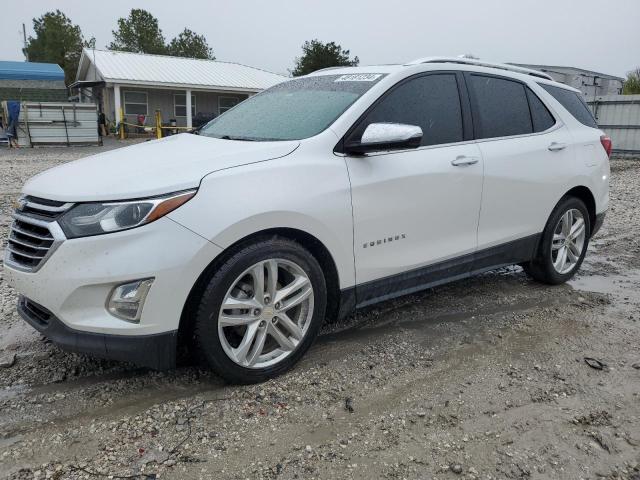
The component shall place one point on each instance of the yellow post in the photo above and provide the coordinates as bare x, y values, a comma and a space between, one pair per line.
121, 124
158, 124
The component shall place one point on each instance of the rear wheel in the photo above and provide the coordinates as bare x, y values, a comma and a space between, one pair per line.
563, 244
261, 311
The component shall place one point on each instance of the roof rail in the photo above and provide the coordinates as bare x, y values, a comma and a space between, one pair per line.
328, 68
480, 63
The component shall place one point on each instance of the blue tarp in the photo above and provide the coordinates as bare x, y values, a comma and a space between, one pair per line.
14, 115
30, 71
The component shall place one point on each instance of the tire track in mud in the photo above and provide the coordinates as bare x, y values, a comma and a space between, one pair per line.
138, 391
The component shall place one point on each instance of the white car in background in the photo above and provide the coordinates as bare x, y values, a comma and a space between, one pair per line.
323, 194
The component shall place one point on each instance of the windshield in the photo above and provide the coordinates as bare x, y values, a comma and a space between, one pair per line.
292, 110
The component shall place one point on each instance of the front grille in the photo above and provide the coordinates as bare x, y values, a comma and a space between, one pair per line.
35, 312
34, 233
42, 208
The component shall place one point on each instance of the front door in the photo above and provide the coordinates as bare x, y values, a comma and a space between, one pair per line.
416, 211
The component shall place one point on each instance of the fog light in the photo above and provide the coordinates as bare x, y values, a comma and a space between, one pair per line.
126, 300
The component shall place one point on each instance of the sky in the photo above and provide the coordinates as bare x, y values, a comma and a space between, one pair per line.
597, 35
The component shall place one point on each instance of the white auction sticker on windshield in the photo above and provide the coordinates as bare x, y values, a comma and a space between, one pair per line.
358, 77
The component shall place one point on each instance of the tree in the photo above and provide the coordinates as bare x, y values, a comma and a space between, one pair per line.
190, 44
317, 55
57, 40
139, 33
632, 83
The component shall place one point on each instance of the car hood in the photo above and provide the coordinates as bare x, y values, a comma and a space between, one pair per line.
151, 168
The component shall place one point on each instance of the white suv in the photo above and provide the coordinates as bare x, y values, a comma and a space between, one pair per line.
321, 195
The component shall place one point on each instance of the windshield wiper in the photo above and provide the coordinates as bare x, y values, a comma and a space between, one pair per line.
241, 139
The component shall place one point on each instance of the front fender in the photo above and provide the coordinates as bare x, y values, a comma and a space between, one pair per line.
307, 193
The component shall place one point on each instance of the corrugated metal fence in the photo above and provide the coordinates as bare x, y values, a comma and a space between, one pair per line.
58, 124
619, 116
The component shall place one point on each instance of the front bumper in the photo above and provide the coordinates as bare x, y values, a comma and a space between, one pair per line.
157, 351
74, 283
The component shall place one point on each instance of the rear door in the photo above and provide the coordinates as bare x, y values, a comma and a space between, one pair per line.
526, 152
415, 208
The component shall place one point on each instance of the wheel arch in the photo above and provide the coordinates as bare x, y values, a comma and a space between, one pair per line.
308, 241
584, 193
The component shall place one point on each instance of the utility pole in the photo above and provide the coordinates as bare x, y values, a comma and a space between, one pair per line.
24, 39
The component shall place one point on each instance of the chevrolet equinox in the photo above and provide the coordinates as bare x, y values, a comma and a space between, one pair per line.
323, 194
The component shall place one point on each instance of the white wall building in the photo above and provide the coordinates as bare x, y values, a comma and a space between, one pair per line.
140, 84
592, 84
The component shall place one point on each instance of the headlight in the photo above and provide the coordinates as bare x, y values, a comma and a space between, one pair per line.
86, 219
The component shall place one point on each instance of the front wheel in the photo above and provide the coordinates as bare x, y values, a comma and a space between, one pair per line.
261, 311
563, 244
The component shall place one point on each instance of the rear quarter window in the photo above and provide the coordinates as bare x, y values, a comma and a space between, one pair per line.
574, 103
540, 115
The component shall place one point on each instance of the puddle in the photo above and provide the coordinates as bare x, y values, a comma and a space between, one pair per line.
7, 442
627, 285
13, 391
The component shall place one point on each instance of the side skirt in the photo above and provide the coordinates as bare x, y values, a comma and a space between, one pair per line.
517, 251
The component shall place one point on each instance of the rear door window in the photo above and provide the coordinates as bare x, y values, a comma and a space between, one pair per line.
540, 114
500, 106
574, 103
431, 102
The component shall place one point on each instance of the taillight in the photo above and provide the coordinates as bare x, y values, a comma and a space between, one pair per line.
605, 140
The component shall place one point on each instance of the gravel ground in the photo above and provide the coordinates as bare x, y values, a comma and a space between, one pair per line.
484, 378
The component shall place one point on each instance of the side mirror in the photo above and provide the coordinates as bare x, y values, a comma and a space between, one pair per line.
386, 136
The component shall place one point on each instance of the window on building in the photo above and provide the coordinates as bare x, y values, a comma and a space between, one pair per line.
135, 103
431, 102
573, 102
226, 103
180, 105
501, 107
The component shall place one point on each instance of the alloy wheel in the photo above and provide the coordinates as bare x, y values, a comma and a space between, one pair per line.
266, 313
568, 241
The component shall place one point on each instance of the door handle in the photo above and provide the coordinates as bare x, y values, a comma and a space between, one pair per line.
556, 147
463, 161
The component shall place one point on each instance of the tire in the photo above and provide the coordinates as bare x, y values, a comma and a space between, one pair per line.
223, 335
546, 265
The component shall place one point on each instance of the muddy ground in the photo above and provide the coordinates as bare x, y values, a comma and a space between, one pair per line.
484, 378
